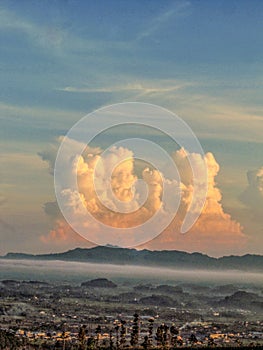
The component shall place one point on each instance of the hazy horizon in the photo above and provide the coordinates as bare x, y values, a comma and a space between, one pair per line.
80, 271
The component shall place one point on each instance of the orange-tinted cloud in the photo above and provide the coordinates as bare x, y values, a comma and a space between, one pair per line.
215, 232
62, 235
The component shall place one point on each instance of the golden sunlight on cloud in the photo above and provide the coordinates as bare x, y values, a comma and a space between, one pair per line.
112, 200
215, 232
102, 195
62, 235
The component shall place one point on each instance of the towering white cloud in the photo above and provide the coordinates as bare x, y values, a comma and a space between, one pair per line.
215, 232
113, 200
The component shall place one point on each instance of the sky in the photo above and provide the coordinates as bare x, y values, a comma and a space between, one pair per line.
202, 60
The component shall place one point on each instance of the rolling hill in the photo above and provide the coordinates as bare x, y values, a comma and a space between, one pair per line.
166, 258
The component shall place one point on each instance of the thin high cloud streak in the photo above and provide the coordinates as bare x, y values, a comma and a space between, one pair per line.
46, 37
53, 36
230, 122
215, 232
140, 88
57, 38
204, 112
179, 9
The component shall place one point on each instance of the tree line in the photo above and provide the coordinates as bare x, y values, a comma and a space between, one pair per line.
120, 337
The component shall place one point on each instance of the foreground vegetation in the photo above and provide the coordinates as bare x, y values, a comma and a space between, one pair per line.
120, 337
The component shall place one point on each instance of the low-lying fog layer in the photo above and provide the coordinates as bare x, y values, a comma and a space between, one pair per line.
77, 271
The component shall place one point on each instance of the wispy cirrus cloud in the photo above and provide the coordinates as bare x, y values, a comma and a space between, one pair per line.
214, 119
179, 9
55, 36
52, 36
141, 88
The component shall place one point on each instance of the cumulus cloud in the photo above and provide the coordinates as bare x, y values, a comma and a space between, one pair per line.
250, 214
215, 232
107, 190
62, 236
252, 197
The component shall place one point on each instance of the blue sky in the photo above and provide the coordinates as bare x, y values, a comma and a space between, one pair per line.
63, 59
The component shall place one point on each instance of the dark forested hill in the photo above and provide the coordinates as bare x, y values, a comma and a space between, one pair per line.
167, 258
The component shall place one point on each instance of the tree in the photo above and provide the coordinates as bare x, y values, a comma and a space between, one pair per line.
150, 331
165, 336
145, 343
117, 327
91, 343
162, 336
111, 340
8, 340
193, 339
211, 341
174, 333
63, 336
123, 334
82, 338
159, 336
135, 330
98, 332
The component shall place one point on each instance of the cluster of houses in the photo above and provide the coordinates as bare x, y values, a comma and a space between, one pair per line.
197, 333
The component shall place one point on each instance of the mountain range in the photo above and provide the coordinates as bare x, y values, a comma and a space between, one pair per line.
165, 258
